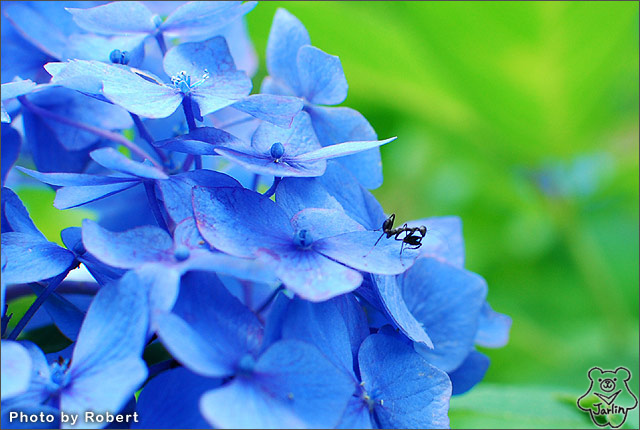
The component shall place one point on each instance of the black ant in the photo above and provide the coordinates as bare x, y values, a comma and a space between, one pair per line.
413, 235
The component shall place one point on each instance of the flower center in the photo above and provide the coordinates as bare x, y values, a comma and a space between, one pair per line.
59, 375
119, 57
246, 365
181, 253
182, 81
303, 239
369, 399
277, 151
79, 248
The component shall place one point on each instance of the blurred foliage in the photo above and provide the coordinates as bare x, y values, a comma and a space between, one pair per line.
522, 119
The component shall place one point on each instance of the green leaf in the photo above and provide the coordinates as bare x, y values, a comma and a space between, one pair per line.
507, 406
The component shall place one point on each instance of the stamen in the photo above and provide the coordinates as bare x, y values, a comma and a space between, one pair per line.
182, 81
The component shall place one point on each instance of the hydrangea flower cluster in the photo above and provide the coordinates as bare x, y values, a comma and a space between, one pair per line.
235, 233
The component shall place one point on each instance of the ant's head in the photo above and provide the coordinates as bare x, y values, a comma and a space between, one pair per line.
388, 223
423, 230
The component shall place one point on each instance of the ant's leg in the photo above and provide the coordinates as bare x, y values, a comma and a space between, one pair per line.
383, 233
401, 230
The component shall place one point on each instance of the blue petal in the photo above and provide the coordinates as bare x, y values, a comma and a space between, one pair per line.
48, 154
342, 124
357, 250
447, 301
70, 197
259, 164
275, 316
297, 140
106, 367
176, 191
19, 59
114, 328
201, 141
278, 110
170, 401
321, 325
340, 150
146, 96
293, 386
254, 270
321, 76
356, 321
162, 284
493, 328
336, 189
324, 222
15, 216
276, 87
210, 61
31, 258
408, 391
356, 416
140, 96
396, 309
470, 372
112, 159
311, 275
204, 19
81, 108
74, 179
64, 314
115, 18
14, 89
218, 210
286, 38
209, 330
37, 29
11, 143
240, 404
16, 369
127, 249
444, 239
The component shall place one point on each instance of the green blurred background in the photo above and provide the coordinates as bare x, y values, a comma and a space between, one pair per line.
522, 119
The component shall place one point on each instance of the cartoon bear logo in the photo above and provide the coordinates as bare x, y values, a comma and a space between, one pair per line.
608, 399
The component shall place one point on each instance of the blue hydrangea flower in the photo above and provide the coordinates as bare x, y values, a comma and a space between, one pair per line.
396, 387
152, 251
202, 73
297, 68
290, 152
106, 366
305, 251
285, 384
